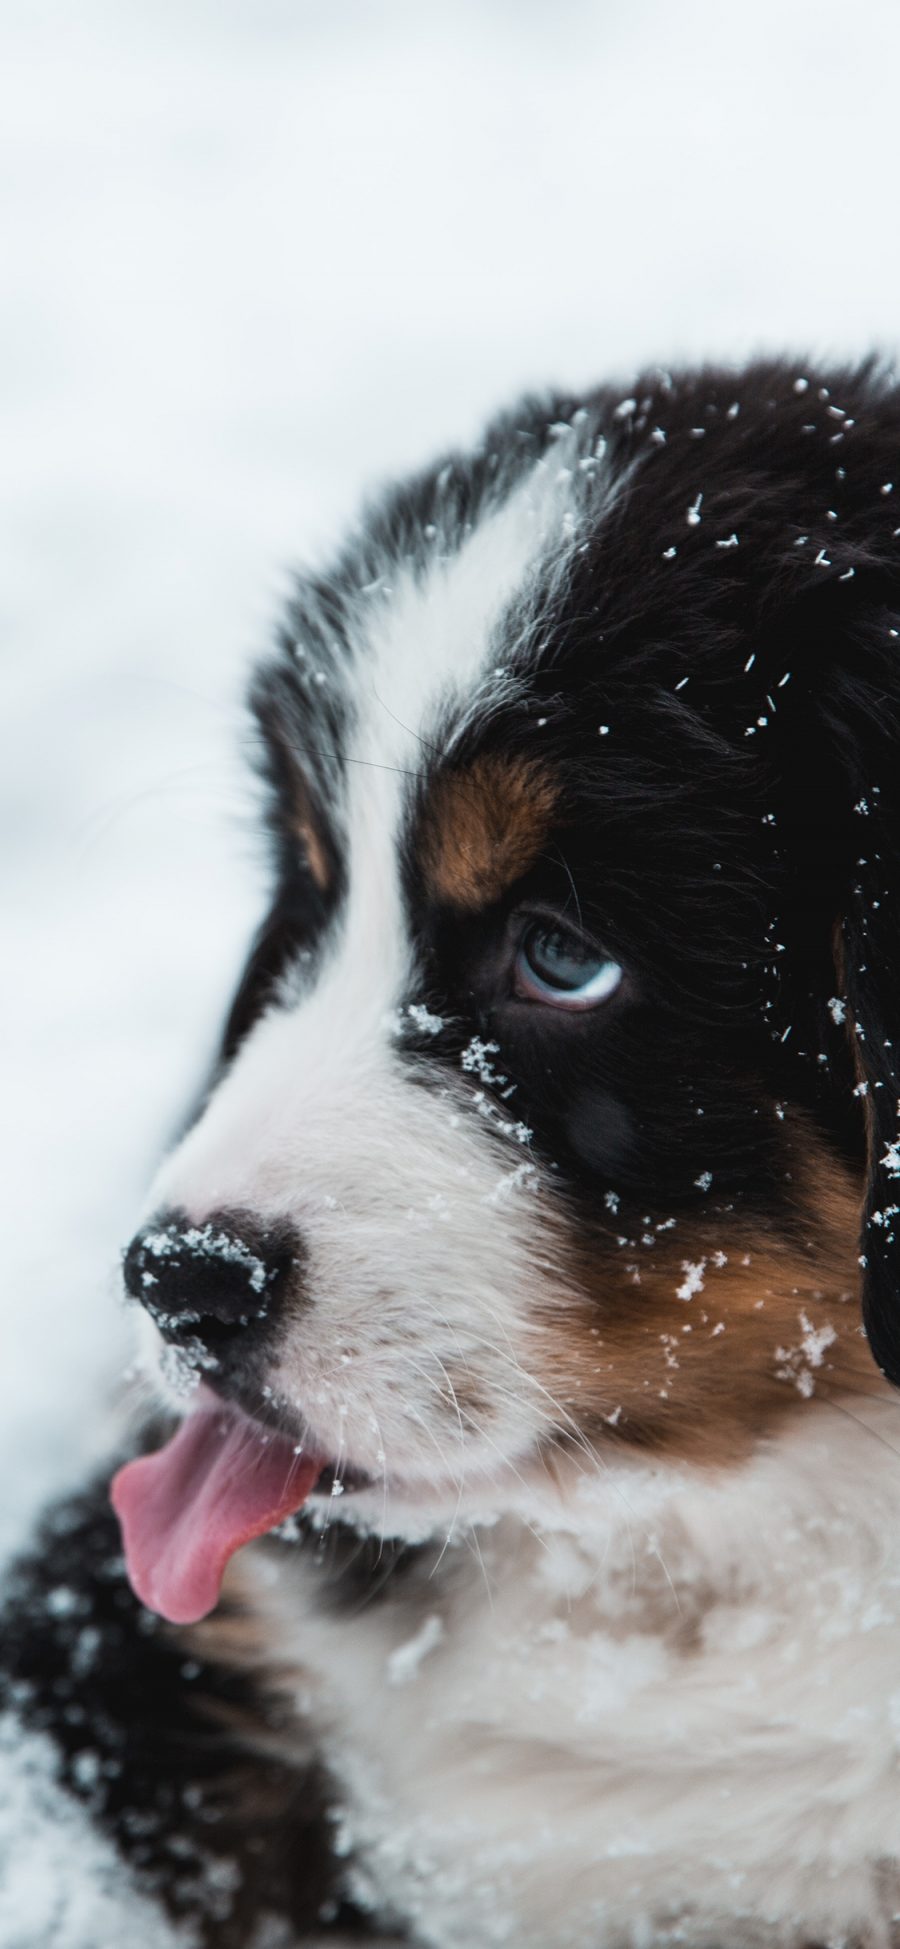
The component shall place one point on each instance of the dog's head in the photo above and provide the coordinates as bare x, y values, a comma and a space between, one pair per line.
557, 1108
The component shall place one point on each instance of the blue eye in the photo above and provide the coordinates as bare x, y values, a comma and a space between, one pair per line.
557, 967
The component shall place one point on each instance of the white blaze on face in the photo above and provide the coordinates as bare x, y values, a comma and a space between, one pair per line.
428, 1242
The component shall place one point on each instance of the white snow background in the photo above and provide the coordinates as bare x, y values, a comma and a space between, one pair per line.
253, 259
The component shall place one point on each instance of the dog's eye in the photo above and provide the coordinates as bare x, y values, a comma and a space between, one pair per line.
557, 967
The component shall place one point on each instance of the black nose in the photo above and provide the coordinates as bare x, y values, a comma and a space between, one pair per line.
209, 1281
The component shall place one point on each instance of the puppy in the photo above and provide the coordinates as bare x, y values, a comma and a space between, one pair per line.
520, 1277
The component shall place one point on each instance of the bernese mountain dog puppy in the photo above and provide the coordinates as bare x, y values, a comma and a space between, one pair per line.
528, 1278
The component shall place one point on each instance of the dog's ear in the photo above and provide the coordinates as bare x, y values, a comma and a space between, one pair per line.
836, 731
861, 708
867, 995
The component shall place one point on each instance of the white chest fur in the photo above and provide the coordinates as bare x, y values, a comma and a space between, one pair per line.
670, 1711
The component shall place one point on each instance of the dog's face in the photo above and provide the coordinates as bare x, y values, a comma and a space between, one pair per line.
548, 1098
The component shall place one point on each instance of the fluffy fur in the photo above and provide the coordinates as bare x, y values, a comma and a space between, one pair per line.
591, 1634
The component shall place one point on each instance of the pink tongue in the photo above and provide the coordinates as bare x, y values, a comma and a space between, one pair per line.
184, 1511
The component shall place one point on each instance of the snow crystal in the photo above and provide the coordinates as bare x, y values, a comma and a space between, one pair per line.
883, 1218
86, 1649
837, 1009
86, 1768
798, 1363
517, 1131
693, 1279
704, 1181
181, 1365
425, 1022
62, 1602
693, 513
511, 1181
476, 1058
890, 1162
208, 1242
160, 1245
231, 1251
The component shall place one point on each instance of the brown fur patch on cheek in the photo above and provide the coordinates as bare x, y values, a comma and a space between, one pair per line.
697, 1343
483, 828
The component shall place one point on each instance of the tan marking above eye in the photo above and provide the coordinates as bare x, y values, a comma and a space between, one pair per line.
294, 791
307, 832
314, 850
483, 827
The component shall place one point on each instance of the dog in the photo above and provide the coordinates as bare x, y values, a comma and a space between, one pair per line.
514, 1539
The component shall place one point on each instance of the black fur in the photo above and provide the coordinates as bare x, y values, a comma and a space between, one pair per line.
156, 1742
731, 621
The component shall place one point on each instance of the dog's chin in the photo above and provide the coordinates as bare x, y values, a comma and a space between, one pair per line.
393, 1493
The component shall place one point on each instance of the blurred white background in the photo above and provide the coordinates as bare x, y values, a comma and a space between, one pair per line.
254, 256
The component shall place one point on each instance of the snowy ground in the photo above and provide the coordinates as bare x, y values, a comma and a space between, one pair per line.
256, 256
